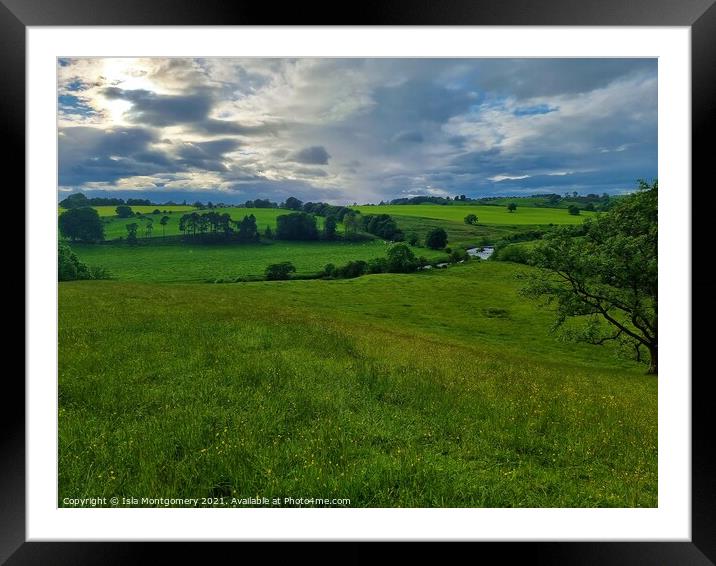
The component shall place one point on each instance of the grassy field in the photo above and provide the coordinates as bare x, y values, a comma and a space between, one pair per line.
115, 227
485, 214
432, 389
186, 262
112, 210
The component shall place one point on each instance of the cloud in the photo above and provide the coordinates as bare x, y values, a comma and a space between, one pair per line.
261, 127
409, 137
314, 155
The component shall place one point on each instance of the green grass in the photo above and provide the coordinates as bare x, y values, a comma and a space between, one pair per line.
112, 210
115, 227
187, 262
432, 389
485, 214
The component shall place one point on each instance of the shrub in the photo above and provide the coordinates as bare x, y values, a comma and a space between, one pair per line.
70, 268
513, 253
401, 259
124, 211
436, 239
279, 271
352, 269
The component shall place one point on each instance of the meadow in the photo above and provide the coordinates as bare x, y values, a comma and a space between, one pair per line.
115, 227
106, 211
486, 214
175, 261
441, 388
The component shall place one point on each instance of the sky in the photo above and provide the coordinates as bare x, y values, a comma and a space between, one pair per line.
346, 130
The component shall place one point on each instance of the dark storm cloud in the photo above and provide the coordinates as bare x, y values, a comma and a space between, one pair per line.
95, 155
206, 155
314, 155
162, 110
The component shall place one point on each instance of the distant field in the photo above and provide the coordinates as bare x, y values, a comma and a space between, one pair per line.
112, 210
188, 262
437, 389
115, 227
485, 214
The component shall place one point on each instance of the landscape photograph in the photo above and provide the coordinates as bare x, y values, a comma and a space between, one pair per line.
357, 282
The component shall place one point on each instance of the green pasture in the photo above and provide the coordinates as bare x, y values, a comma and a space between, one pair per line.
200, 262
433, 389
486, 214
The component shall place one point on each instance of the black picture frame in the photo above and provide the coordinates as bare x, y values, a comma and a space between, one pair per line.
699, 15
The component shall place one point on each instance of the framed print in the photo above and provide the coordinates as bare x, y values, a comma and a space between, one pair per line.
392, 279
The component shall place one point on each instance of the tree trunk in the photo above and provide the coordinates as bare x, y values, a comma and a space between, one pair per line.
653, 360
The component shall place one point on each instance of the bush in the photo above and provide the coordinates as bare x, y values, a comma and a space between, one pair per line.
383, 226
513, 253
124, 211
413, 239
378, 265
459, 255
401, 259
573, 210
352, 269
70, 268
329, 270
280, 271
436, 239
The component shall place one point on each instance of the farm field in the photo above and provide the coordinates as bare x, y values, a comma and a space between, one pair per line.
115, 227
201, 262
486, 214
441, 388
142, 209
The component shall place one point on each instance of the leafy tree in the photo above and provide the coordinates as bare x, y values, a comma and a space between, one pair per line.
69, 266
164, 221
329, 228
292, 203
573, 210
351, 223
76, 200
401, 259
296, 226
157, 211
268, 233
383, 226
606, 277
248, 230
436, 239
81, 224
124, 211
512, 207
471, 219
148, 229
413, 239
279, 271
132, 232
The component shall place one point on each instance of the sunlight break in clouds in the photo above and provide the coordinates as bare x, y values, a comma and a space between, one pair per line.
345, 130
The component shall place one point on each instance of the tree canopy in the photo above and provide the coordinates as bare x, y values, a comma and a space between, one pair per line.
436, 239
604, 273
81, 224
